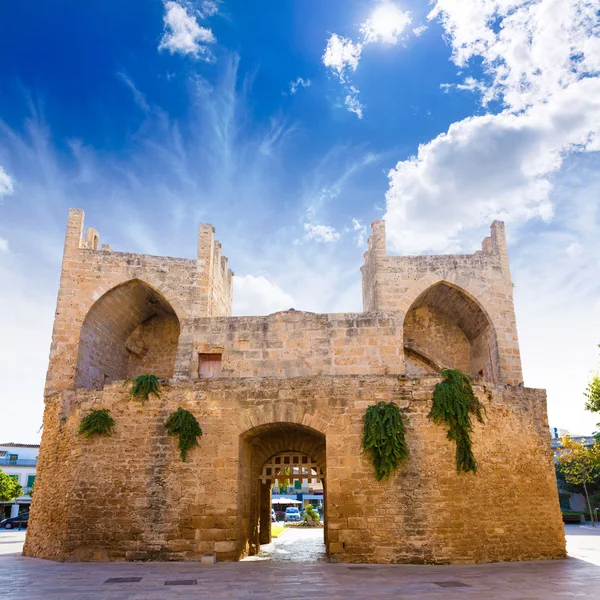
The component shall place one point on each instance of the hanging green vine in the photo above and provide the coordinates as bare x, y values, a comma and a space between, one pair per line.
143, 386
184, 424
97, 422
453, 404
383, 437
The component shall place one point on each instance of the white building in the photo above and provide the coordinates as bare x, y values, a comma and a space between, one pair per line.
18, 461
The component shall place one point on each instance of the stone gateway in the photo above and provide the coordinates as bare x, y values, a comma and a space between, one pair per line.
288, 384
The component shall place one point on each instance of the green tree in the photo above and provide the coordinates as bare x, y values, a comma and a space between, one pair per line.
579, 465
10, 488
592, 393
311, 516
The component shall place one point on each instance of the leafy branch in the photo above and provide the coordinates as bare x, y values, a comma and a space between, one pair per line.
383, 438
97, 422
453, 404
144, 386
183, 424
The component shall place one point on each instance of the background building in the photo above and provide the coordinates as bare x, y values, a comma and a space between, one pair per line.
18, 461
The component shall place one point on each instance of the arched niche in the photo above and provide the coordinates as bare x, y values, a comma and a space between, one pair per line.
446, 327
130, 330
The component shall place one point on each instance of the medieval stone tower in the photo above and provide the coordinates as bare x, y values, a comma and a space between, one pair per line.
292, 384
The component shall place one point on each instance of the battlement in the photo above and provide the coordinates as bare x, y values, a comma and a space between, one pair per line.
473, 291
144, 298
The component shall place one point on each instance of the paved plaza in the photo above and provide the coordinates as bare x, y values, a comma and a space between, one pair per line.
277, 575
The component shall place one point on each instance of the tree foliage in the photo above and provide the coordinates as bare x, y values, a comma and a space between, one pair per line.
10, 488
453, 404
579, 464
183, 424
144, 386
311, 516
383, 438
592, 393
97, 422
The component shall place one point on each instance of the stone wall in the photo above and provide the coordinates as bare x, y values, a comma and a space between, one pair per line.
129, 495
294, 343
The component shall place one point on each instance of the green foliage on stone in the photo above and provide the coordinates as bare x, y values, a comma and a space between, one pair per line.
183, 424
97, 422
144, 386
453, 404
10, 488
383, 438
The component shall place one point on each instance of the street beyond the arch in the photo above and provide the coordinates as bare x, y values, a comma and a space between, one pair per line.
36, 579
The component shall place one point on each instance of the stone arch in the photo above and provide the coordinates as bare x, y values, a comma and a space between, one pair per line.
87, 298
257, 445
130, 329
447, 326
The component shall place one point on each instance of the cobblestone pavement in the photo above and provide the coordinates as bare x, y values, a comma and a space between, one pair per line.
293, 545
576, 577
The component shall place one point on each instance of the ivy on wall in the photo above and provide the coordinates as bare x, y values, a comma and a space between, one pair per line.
144, 386
183, 424
383, 438
453, 404
97, 422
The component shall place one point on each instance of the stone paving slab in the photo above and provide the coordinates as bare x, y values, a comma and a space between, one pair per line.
36, 579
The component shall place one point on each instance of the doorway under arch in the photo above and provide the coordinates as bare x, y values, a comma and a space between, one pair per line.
264, 451
130, 330
445, 327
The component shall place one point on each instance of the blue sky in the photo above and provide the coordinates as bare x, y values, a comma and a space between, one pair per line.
290, 126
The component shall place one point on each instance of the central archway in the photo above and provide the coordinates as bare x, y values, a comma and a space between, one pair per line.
262, 449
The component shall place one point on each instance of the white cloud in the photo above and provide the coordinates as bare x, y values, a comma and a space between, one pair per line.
210, 8
492, 166
470, 85
183, 34
299, 83
540, 62
360, 232
6, 183
3, 245
341, 55
352, 102
386, 24
529, 49
420, 30
574, 249
320, 233
257, 295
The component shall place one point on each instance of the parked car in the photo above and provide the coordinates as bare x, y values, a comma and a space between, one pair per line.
292, 514
18, 521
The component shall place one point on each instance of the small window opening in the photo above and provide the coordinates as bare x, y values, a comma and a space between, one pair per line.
209, 366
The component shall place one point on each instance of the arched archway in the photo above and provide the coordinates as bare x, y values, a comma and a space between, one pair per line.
129, 330
259, 447
445, 327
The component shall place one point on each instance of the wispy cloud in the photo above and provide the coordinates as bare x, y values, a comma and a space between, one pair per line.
352, 102
138, 97
6, 183
3, 245
299, 83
